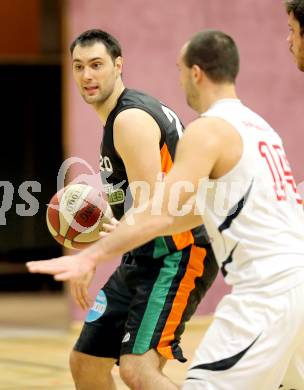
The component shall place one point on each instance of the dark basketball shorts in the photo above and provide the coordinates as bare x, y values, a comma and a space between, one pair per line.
145, 303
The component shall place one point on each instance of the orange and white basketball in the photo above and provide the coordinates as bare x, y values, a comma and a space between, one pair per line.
75, 215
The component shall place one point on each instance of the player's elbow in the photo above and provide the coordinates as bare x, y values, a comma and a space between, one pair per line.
167, 225
159, 226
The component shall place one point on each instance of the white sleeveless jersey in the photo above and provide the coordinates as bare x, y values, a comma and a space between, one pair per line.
254, 213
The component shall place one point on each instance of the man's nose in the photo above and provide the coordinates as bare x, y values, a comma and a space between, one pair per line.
87, 74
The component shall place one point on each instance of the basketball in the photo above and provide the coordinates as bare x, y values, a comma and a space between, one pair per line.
76, 214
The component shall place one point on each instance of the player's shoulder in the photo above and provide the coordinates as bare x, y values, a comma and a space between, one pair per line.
133, 103
129, 125
209, 125
211, 132
131, 116
138, 98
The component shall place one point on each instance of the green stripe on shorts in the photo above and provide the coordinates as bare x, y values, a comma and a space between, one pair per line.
156, 302
160, 247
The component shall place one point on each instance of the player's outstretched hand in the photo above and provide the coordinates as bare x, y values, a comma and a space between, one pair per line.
79, 290
63, 268
74, 268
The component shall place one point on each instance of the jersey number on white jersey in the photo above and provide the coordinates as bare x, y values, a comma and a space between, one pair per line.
280, 170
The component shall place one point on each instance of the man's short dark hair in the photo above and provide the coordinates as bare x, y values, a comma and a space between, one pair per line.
215, 53
297, 8
89, 37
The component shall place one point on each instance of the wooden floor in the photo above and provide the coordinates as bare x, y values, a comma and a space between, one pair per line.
37, 359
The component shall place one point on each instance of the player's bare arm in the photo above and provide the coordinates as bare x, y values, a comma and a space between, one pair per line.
136, 140
202, 152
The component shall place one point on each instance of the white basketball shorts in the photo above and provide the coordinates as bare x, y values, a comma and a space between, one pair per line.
255, 342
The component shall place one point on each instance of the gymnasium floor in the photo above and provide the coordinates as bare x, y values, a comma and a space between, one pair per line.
34, 358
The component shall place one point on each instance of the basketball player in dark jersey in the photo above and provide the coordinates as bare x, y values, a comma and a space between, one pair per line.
140, 313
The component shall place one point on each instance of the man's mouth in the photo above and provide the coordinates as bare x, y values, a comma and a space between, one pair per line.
91, 89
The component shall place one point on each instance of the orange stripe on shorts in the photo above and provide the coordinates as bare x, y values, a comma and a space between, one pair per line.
195, 269
181, 240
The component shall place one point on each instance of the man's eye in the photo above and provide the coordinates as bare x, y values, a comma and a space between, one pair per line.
77, 67
97, 65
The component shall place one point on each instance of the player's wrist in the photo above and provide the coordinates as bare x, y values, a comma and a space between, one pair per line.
93, 258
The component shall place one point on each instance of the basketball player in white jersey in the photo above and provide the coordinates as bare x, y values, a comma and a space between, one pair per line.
253, 213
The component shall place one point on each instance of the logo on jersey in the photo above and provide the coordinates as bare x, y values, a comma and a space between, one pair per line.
115, 193
126, 337
98, 308
115, 196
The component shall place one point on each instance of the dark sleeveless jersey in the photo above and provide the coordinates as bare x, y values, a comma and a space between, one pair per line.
114, 176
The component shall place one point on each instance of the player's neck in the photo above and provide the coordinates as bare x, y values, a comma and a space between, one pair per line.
104, 109
216, 93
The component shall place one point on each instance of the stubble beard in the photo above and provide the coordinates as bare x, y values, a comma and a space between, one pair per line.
98, 100
192, 101
299, 57
301, 60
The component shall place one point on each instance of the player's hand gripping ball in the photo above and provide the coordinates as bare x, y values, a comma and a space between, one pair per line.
76, 214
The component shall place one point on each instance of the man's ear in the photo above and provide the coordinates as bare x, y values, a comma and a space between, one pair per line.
197, 74
118, 64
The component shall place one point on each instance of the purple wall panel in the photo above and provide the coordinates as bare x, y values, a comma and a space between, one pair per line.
269, 81
151, 35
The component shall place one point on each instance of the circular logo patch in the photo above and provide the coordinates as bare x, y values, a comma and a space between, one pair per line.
98, 308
